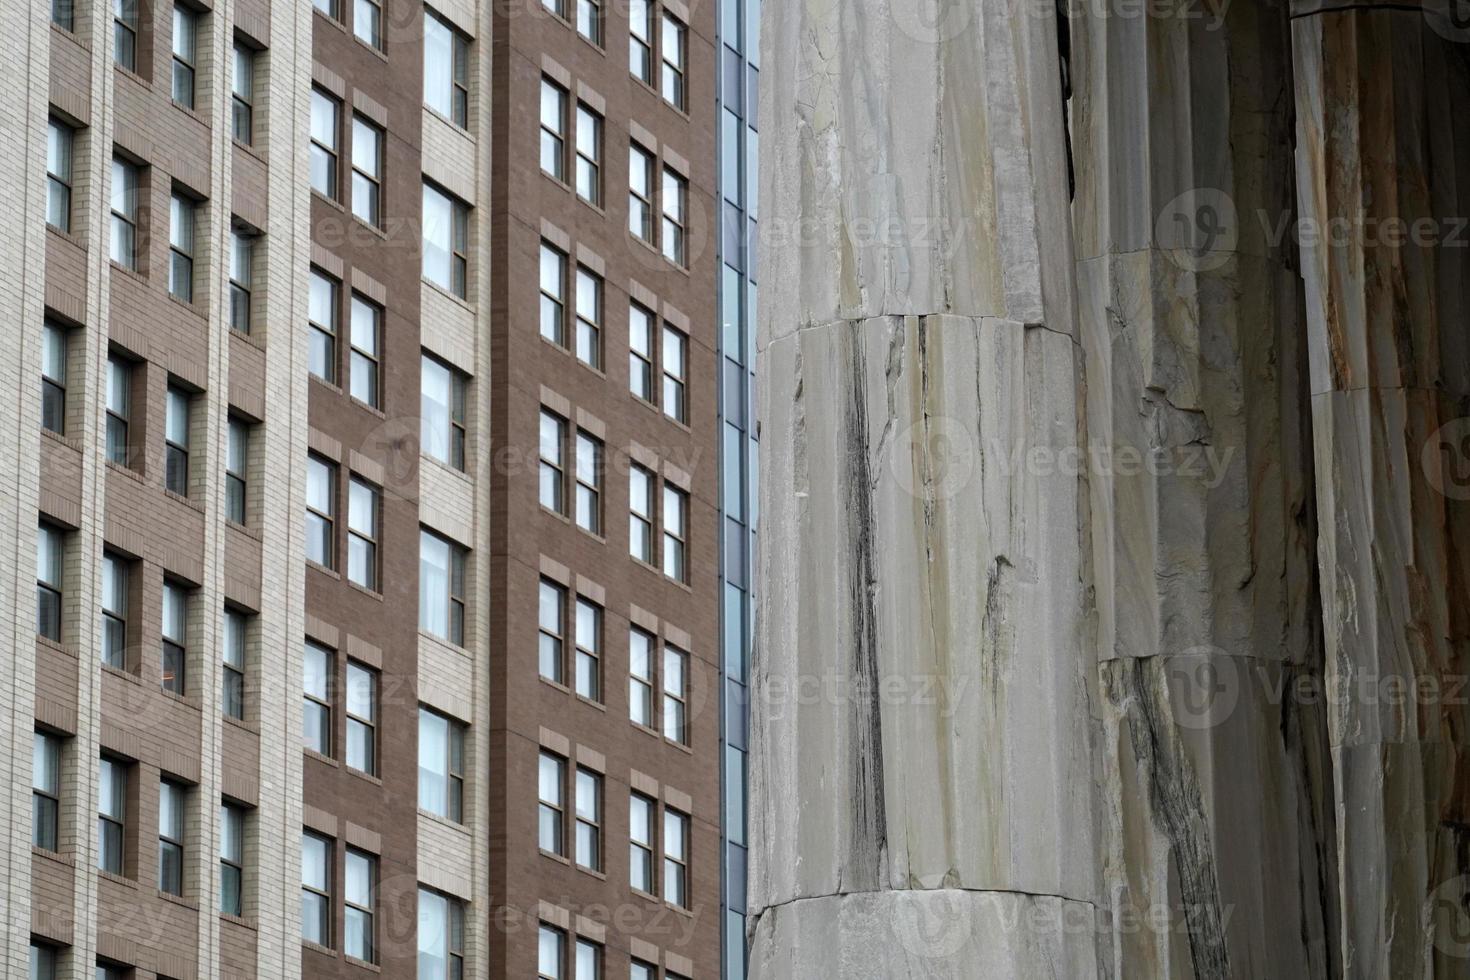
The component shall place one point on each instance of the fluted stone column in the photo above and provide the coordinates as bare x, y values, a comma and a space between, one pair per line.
922, 779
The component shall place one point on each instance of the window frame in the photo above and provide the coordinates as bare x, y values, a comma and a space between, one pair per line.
455, 597
242, 279
50, 580
451, 939
242, 93
457, 250
589, 322
123, 201
552, 469
174, 640
455, 411
231, 885
642, 163
361, 908
587, 673
178, 420
641, 361
588, 816
54, 345
185, 70
675, 535
171, 837
674, 211
374, 37
596, 951
552, 810
588, 150
551, 646
459, 83
237, 470
674, 72
367, 538
358, 354
642, 522
323, 343
590, 23
588, 454
369, 182
234, 654
125, 34
676, 862
46, 791
324, 521
674, 701
112, 816
453, 764
318, 151
553, 310
553, 141
119, 410
642, 850
183, 229
674, 392
641, 60
641, 685
116, 618
318, 705
366, 726
60, 160
558, 937
323, 894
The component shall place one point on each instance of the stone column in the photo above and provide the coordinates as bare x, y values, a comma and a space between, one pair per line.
922, 780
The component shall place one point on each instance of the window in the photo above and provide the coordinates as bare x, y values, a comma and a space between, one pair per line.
231, 859
558, 7
553, 129
45, 790
49, 545
589, 482
446, 70
553, 294
640, 677
589, 819
367, 23
232, 667
675, 194
316, 707
106, 971
321, 511
552, 789
364, 511
328, 7
53, 378
551, 619
59, 141
676, 858
643, 971
589, 20
43, 958
641, 811
175, 636
672, 79
551, 953
676, 533
170, 837
441, 587
176, 442
321, 313
112, 797
553, 461
114, 610
186, 43
446, 220
181, 248
441, 937
365, 370
640, 351
640, 517
589, 152
367, 165
676, 694
676, 369
589, 649
441, 765
124, 211
358, 939
589, 960
640, 191
242, 95
242, 256
237, 455
442, 431
324, 110
125, 34
640, 39
362, 718
316, 889
589, 317
119, 391
62, 14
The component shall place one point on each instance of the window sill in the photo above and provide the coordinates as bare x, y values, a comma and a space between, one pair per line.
592, 703
307, 943
71, 35
129, 73
190, 111
362, 964
560, 182
240, 920
646, 896
462, 301
332, 203
364, 590
358, 221
366, 777
67, 236
137, 274
248, 338
320, 15
116, 878
461, 130
445, 822
597, 46
249, 532
325, 760
593, 205
375, 51
376, 413
251, 149
67, 441
50, 644
563, 518
187, 304
188, 502
650, 732
592, 872
676, 744
65, 860
593, 368
595, 536
126, 471
323, 569
251, 727
558, 858
188, 701
557, 685
178, 900
329, 385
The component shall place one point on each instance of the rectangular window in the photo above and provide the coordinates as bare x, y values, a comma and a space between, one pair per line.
641, 648
558, 7
124, 249
364, 516
316, 889
365, 369
552, 808
589, 960
641, 812
181, 218
119, 398
186, 45
324, 129
553, 461
175, 636
675, 200
367, 23
232, 667
112, 801
114, 611
242, 95
673, 46
441, 937
589, 482
321, 511
362, 718
640, 351
176, 441
589, 317
328, 7
676, 858
231, 859
49, 548
589, 152
676, 533
242, 257
441, 587
589, 649
553, 294
589, 20
640, 39
60, 139
358, 936
442, 431
553, 129
589, 819
441, 766
676, 370
551, 618
321, 312
367, 165
53, 378
446, 257
125, 34
640, 192
170, 837
551, 953
237, 456
640, 517
316, 707
446, 70
45, 790
643, 971
62, 14
676, 694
